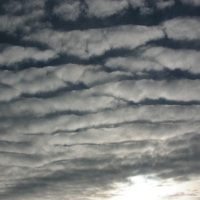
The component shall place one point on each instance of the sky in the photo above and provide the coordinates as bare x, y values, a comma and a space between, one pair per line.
99, 99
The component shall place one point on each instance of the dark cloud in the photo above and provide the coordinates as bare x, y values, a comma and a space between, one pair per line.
99, 98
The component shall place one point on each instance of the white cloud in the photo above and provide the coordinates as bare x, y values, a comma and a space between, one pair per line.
132, 64
50, 79
69, 10
30, 74
72, 43
95, 42
183, 28
159, 113
174, 59
90, 75
158, 59
177, 90
31, 13
42, 84
14, 54
104, 8
30, 81
73, 102
132, 36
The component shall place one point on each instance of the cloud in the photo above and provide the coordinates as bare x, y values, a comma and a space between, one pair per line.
105, 8
108, 169
95, 42
8, 93
132, 64
106, 118
165, 4
14, 54
69, 11
94, 94
174, 59
9, 23
125, 133
183, 28
136, 3
192, 2
52, 79
185, 90
157, 59
21, 17
74, 102
16, 6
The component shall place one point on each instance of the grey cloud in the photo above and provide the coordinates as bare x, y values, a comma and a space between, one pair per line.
7, 146
8, 93
125, 132
110, 169
74, 102
192, 2
136, 3
10, 23
15, 6
165, 4
20, 159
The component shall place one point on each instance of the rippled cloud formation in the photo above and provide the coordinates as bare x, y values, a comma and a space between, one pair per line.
99, 99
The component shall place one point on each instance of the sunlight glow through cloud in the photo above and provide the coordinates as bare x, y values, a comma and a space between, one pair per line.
146, 187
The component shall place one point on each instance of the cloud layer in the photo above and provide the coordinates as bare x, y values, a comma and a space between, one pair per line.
98, 98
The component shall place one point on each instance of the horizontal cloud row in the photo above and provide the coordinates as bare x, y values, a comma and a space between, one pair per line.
157, 59
72, 122
72, 10
94, 42
179, 90
103, 96
50, 79
15, 54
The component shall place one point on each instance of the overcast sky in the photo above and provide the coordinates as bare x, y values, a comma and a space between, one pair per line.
99, 99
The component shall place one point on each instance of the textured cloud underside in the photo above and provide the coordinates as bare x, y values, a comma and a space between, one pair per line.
95, 93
